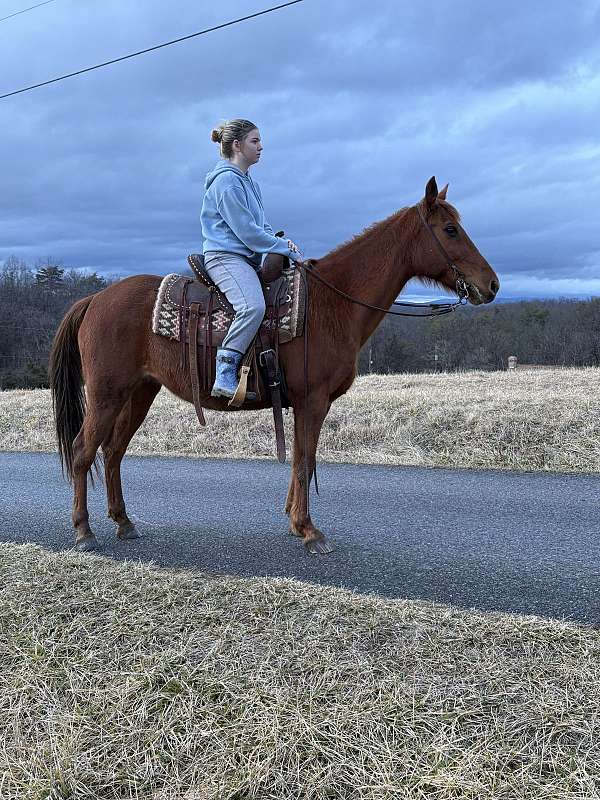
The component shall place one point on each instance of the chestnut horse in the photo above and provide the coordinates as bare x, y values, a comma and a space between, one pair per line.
105, 342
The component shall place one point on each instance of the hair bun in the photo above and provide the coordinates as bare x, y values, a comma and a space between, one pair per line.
226, 132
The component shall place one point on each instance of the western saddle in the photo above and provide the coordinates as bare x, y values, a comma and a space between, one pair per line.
204, 317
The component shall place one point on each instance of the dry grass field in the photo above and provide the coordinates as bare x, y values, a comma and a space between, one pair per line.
543, 419
122, 680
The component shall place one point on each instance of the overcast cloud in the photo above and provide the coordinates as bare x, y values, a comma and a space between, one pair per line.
358, 104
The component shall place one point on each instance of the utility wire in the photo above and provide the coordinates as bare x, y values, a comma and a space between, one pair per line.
149, 49
16, 13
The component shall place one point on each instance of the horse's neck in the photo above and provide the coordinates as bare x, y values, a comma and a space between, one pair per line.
373, 269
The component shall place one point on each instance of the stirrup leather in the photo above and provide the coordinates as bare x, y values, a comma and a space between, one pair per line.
240, 393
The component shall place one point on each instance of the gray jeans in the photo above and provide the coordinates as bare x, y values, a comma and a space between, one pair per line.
237, 279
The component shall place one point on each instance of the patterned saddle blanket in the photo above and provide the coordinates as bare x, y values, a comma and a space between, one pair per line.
284, 300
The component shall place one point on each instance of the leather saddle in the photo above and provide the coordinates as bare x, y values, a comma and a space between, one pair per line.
205, 315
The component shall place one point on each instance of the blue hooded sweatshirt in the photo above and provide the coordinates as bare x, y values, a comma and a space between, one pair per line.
233, 216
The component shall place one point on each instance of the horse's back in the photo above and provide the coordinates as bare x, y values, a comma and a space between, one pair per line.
134, 287
124, 299
115, 330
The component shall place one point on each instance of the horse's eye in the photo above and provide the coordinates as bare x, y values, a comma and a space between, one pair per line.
451, 231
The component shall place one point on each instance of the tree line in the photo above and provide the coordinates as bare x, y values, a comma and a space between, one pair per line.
33, 300
548, 332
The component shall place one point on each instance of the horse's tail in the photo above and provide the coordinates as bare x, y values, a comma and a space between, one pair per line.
66, 383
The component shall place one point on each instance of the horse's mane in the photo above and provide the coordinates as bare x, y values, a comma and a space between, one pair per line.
406, 226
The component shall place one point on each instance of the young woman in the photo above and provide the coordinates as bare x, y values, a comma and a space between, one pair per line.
236, 235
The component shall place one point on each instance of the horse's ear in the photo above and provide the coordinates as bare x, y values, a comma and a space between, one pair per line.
431, 192
442, 194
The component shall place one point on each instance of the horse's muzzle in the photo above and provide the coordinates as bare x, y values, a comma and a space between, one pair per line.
477, 296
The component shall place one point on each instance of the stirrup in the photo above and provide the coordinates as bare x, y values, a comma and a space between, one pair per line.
241, 395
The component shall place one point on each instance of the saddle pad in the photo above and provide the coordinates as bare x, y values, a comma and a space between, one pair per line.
166, 313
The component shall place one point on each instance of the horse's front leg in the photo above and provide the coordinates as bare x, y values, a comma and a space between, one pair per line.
292, 487
300, 522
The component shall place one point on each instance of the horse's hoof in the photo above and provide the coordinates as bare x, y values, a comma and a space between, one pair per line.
318, 547
87, 544
128, 532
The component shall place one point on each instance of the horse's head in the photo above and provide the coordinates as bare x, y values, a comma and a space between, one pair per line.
445, 249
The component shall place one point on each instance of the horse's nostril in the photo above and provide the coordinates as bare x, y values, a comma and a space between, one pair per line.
494, 286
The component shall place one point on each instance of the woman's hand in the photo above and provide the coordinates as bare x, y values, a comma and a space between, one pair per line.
293, 247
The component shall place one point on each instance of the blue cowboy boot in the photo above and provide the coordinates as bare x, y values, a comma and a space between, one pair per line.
226, 379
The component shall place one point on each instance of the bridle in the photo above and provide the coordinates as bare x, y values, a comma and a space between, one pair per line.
461, 285
435, 310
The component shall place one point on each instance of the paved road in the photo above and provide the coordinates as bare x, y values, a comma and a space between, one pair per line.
522, 542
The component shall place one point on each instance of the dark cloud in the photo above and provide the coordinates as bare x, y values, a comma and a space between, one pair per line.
358, 105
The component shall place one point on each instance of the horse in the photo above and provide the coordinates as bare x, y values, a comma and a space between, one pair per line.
105, 344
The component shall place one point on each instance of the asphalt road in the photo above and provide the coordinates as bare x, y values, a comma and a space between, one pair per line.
522, 542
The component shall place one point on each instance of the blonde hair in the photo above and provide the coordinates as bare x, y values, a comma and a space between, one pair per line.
226, 133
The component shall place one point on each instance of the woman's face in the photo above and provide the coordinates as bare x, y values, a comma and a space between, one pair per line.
250, 148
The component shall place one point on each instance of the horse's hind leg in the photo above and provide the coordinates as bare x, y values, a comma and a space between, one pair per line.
97, 424
114, 447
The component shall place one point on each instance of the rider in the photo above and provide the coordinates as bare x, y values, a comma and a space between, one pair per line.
236, 235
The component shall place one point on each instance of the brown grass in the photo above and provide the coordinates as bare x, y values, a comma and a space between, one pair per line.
528, 420
122, 680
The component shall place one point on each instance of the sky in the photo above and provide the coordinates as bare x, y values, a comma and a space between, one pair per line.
358, 104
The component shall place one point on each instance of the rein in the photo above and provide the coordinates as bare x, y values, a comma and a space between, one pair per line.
444, 308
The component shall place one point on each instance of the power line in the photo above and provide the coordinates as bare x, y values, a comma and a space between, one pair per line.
16, 13
149, 49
